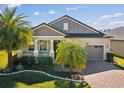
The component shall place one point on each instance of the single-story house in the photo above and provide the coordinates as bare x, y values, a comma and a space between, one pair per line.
117, 43
65, 28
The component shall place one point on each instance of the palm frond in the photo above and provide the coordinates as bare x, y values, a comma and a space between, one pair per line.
15, 31
72, 54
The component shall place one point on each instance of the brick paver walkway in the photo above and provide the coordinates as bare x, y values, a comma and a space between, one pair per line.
104, 75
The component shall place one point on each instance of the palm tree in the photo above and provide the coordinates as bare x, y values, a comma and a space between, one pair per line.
14, 32
72, 54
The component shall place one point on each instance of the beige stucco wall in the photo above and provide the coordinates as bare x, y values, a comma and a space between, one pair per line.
73, 27
91, 41
96, 41
117, 46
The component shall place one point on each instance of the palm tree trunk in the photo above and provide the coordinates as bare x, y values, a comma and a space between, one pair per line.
10, 61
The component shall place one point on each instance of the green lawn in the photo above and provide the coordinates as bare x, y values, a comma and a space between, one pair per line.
120, 61
26, 80
29, 80
3, 59
49, 69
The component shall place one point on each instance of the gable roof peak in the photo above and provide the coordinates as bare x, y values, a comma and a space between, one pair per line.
39, 25
48, 26
66, 16
44, 23
77, 22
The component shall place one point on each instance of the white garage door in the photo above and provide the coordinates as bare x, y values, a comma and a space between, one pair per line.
95, 52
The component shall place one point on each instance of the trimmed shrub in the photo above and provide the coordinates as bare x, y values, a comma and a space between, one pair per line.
26, 61
45, 60
69, 84
7, 70
84, 85
64, 84
110, 56
19, 67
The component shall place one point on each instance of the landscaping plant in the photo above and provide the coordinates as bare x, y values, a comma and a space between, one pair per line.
72, 54
110, 56
19, 67
15, 32
26, 61
69, 84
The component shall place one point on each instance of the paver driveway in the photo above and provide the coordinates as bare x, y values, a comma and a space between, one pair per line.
100, 74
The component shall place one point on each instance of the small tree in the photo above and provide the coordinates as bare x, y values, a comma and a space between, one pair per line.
15, 32
73, 54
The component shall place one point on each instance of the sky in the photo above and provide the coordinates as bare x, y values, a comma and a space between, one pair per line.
99, 16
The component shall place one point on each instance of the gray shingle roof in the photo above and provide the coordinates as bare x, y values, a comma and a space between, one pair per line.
71, 35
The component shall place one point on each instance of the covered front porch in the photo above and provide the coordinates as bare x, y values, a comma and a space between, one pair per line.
43, 41
42, 46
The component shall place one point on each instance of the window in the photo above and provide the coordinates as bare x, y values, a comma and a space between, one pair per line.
43, 45
98, 46
65, 26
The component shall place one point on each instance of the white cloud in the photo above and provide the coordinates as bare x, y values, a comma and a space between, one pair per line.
105, 24
13, 5
109, 24
36, 13
115, 24
104, 17
116, 15
119, 14
75, 8
90, 22
87, 21
52, 12
94, 23
108, 21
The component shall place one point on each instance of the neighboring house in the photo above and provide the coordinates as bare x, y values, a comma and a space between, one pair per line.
65, 28
117, 43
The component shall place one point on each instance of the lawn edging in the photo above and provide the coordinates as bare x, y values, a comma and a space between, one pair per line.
41, 72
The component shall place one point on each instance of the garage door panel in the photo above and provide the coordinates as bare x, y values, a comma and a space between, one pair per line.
95, 52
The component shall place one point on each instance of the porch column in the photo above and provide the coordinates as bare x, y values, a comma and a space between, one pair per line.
52, 49
35, 53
